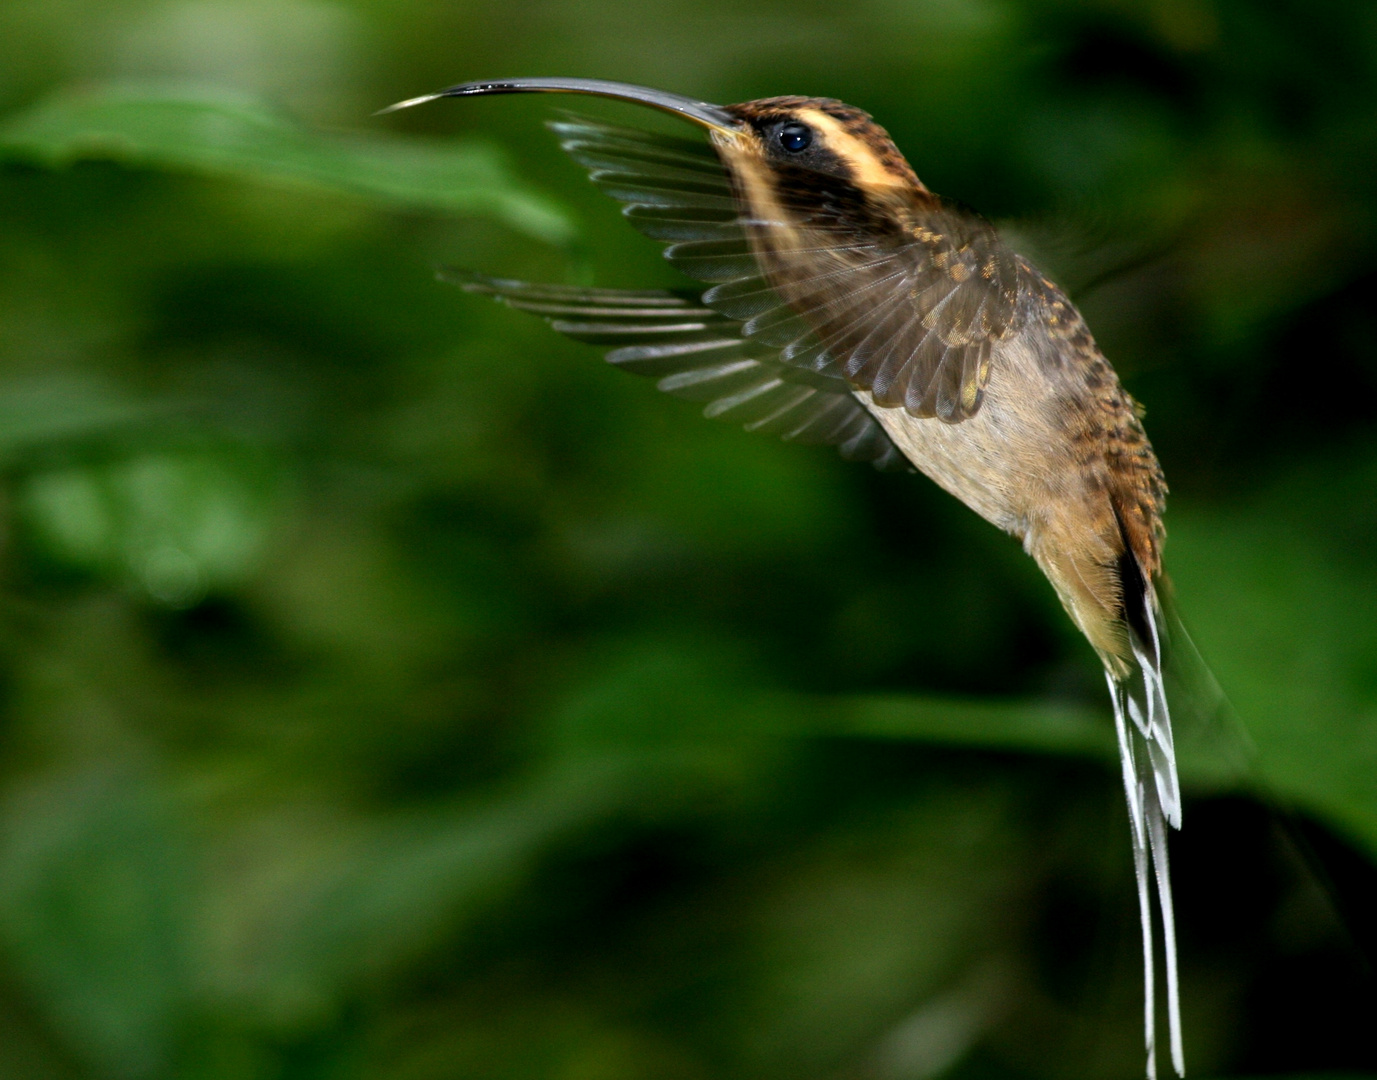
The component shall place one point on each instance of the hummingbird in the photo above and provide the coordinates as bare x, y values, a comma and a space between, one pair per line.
846, 304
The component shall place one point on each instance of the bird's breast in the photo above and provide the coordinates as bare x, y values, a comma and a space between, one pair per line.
1005, 462
1029, 463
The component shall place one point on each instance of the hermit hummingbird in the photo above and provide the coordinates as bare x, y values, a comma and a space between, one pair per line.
847, 304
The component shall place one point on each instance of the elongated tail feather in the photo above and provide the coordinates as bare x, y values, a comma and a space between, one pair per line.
1153, 791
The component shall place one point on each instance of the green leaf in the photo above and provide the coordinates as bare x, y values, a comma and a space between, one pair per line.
1208, 754
1281, 592
93, 904
175, 524
381, 892
42, 412
219, 134
1032, 726
659, 692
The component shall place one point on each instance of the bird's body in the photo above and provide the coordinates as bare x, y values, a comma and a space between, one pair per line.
1038, 436
849, 305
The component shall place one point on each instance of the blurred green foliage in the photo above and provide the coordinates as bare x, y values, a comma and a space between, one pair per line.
390, 690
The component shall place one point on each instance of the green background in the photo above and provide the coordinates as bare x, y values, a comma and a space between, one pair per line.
390, 689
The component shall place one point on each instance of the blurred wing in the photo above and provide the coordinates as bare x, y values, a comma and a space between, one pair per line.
697, 353
911, 314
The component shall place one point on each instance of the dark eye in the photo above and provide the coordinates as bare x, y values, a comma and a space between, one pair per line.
794, 136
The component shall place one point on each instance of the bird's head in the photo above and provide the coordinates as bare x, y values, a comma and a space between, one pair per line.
821, 136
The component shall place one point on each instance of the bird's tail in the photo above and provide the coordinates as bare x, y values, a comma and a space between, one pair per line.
1148, 757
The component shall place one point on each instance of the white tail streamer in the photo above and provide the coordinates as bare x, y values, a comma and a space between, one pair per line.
1153, 791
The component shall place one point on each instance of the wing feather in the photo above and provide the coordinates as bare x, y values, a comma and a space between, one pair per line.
910, 314
698, 353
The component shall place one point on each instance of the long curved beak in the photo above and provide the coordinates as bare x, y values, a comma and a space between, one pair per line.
713, 117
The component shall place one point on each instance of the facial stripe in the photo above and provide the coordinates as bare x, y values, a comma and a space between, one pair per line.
868, 171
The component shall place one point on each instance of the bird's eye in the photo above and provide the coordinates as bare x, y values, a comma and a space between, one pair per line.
794, 136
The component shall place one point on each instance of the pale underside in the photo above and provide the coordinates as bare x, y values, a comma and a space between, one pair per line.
996, 462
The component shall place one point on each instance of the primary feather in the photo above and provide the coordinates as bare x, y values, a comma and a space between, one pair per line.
696, 352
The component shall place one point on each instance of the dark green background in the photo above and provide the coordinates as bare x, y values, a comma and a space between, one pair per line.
390, 689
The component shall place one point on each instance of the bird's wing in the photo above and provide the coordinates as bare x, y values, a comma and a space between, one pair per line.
698, 353
908, 312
